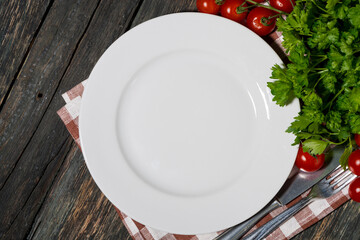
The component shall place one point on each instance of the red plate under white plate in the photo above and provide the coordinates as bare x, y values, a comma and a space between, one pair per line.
178, 128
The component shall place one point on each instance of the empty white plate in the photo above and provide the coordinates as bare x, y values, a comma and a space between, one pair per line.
178, 128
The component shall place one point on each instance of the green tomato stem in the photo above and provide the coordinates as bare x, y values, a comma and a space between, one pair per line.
292, 4
268, 7
219, 2
274, 16
240, 9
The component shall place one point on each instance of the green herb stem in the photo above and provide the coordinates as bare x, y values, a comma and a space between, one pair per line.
317, 82
332, 100
314, 2
335, 143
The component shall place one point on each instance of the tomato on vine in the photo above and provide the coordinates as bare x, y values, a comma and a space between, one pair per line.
354, 162
209, 6
357, 139
305, 161
261, 21
354, 189
235, 10
283, 5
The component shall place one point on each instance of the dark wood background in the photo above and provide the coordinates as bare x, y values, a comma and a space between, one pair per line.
46, 48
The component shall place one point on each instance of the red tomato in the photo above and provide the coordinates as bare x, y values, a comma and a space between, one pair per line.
354, 189
357, 139
208, 6
354, 162
283, 5
259, 21
305, 161
231, 9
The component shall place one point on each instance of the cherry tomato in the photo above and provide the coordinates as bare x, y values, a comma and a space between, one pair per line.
260, 21
231, 9
357, 139
283, 5
354, 162
305, 161
354, 189
208, 6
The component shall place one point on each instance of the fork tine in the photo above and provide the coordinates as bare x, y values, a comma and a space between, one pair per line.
348, 181
336, 175
335, 169
345, 184
342, 177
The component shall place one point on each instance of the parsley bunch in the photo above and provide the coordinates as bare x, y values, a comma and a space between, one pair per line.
322, 41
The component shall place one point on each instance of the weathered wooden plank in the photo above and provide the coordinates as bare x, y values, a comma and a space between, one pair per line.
23, 220
155, 8
76, 209
342, 224
20, 207
41, 73
20, 21
42, 70
65, 215
73, 213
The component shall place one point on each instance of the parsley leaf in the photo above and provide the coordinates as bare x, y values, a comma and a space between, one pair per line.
331, 4
345, 156
323, 45
314, 146
354, 16
334, 121
354, 99
328, 80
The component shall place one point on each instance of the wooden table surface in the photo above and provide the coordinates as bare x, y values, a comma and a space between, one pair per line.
47, 47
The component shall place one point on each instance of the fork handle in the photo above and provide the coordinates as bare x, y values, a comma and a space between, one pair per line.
239, 230
274, 223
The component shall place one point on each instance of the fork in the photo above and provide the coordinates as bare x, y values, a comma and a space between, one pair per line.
325, 188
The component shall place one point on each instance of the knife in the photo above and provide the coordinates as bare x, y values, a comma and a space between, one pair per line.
297, 183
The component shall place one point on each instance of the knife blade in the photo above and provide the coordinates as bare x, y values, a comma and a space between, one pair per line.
302, 181
297, 183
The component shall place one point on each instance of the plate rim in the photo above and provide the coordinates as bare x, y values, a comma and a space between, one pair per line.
82, 131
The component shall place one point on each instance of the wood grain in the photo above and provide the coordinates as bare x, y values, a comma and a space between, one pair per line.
41, 73
154, 8
20, 22
23, 166
43, 228
47, 47
31, 202
18, 207
81, 209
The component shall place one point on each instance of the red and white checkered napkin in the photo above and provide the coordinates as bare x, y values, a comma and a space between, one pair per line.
69, 114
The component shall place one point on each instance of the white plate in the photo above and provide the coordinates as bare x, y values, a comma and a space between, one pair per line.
178, 127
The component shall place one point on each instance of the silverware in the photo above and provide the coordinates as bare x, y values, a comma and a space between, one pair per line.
297, 183
327, 187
